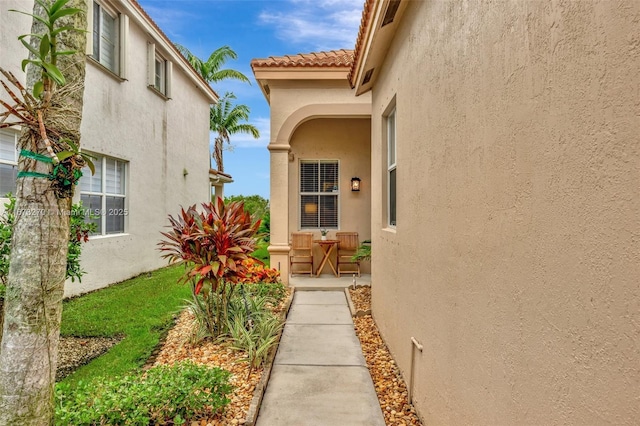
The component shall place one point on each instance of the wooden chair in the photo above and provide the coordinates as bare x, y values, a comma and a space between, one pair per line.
347, 247
301, 251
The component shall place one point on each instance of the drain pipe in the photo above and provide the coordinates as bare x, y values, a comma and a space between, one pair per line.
414, 345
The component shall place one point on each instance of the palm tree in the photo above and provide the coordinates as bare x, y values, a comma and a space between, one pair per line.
50, 120
210, 69
225, 119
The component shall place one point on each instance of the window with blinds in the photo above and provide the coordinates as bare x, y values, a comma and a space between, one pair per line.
106, 38
319, 194
8, 162
103, 195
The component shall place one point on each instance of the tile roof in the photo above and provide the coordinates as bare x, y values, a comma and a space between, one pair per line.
367, 14
329, 59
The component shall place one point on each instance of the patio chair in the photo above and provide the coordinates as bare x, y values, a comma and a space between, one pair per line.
347, 246
301, 252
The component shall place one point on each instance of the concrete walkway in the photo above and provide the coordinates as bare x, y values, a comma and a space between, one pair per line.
319, 376
326, 282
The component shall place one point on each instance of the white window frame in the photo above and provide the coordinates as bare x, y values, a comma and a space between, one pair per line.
392, 159
13, 163
160, 73
119, 32
159, 83
103, 212
334, 193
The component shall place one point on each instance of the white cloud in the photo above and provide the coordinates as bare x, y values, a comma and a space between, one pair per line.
317, 24
241, 140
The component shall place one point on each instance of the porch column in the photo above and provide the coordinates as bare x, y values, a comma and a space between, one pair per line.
279, 206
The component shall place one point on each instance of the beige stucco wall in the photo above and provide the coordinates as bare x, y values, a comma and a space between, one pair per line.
159, 139
348, 141
516, 258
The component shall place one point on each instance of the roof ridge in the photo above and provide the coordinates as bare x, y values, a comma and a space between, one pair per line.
323, 58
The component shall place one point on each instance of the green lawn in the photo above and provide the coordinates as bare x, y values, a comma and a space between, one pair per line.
139, 309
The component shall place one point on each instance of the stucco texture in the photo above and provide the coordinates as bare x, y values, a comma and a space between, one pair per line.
516, 257
160, 139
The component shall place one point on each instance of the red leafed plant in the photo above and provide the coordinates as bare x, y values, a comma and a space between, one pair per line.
258, 273
213, 244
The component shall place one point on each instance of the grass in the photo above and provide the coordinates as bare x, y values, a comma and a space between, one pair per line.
261, 252
140, 309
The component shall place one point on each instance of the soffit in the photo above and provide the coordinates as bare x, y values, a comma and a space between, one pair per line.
377, 29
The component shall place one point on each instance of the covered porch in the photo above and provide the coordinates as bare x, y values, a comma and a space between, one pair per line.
320, 141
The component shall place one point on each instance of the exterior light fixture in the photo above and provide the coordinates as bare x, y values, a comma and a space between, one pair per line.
355, 184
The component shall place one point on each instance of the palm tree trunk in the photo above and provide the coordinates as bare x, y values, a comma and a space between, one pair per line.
33, 303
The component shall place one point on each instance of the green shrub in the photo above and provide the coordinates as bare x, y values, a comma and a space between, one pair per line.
253, 328
79, 231
178, 393
6, 231
363, 252
275, 291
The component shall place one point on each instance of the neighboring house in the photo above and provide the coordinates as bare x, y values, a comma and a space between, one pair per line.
218, 180
505, 203
145, 118
320, 139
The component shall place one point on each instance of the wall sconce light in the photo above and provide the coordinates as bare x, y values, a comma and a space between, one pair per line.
355, 184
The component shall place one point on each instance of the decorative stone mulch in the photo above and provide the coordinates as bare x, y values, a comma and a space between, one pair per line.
361, 298
178, 346
389, 385
74, 352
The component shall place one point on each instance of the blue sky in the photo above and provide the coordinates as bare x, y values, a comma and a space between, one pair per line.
255, 29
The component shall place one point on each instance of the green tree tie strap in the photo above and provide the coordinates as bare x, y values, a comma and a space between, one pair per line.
34, 174
37, 157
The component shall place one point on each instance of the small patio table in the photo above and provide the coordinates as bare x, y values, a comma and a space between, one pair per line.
327, 247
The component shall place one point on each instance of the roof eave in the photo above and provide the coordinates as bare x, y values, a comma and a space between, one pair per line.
140, 16
373, 43
265, 74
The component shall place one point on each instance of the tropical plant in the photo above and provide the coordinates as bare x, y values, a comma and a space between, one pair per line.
363, 252
213, 245
225, 119
210, 70
255, 336
49, 114
258, 273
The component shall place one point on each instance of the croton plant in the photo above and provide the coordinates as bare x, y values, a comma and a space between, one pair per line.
213, 243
